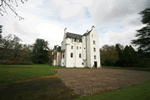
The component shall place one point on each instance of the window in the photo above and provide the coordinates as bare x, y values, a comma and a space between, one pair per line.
80, 55
75, 39
92, 35
94, 56
94, 49
72, 40
84, 48
80, 47
82, 63
93, 42
77, 47
63, 55
71, 55
71, 47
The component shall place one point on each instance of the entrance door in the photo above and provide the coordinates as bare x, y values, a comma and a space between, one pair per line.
95, 63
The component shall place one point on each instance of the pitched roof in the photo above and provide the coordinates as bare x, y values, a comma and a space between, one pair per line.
73, 35
59, 49
87, 33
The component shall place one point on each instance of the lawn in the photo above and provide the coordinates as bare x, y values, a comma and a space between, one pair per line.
9, 73
130, 68
135, 92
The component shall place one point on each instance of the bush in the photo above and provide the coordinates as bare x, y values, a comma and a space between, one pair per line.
14, 62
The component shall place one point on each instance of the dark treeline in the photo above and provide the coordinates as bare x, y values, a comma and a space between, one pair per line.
119, 55
12, 51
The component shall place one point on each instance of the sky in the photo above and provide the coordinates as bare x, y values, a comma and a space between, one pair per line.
116, 21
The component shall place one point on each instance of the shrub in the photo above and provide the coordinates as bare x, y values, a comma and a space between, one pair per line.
14, 62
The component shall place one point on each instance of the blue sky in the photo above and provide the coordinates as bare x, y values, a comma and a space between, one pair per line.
114, 20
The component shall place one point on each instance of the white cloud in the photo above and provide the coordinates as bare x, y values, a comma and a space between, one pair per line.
47, 19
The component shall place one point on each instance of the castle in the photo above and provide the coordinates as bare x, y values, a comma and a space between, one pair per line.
78, 50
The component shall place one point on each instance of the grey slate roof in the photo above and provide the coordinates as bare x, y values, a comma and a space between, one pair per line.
59, 49
73, 35
87, 33
55, 47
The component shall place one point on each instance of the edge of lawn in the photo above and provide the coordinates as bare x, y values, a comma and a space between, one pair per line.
32, 69
133, 92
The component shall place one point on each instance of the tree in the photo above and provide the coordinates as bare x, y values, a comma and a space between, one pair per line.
129, 57
7, 3
119, 49
9, 43
40, 51
1, 31
108, 54
143, 34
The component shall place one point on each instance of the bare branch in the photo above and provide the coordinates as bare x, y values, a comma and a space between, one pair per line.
5, 10
4, 3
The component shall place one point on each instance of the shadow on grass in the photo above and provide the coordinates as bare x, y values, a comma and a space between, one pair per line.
40, 89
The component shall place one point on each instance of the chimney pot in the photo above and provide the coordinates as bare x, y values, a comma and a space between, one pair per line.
93, 27
65, 30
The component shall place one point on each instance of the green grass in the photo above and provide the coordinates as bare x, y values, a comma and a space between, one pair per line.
9, 73
136, 68
135, 92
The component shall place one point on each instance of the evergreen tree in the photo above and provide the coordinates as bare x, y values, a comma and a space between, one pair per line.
143, 41
1, 31
129, 57
119, 49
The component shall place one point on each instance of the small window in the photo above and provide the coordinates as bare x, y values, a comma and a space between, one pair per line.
94, 56
71, 47
63, 55
75, 39
94, 49
80, 47
71, 55
93, 42
82, 63
84, 48
77, 47
80, 55
72, 40
92, 35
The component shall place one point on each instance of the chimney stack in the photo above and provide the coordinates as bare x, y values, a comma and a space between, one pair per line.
65, 30
93, 27
87, 31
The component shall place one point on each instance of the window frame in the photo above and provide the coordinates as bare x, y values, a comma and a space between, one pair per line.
95, 57
71, 55
94, 42
94, 49
79, 55
72, 47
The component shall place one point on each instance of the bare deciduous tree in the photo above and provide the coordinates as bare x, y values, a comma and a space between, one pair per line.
7, 3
